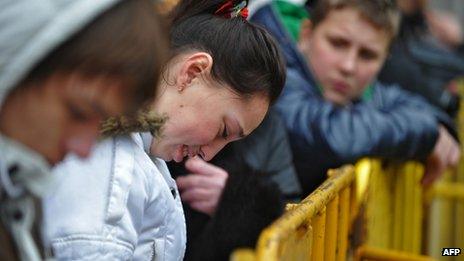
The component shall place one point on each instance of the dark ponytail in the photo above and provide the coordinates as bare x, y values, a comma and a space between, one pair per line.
245, 56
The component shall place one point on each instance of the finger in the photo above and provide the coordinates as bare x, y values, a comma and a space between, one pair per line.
188, 181
455, 152
443, 147
431, 166
428, 171
439, 145
447, 153
195, 194
428, 178
455, 156
207, 208
433, 173
451, 152
198, 166
192, 180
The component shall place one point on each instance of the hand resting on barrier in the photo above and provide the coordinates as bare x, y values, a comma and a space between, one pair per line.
445, 154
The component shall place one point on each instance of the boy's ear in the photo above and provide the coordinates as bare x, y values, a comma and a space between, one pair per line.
306, 29
194, 66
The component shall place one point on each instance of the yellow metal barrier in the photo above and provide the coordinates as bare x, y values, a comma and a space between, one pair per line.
459, 205
392, 197
393, 215
446, 204
447, 190
372, 253
388, 197
390, 201
315, 229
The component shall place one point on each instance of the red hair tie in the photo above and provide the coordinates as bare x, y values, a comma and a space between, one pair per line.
229, 10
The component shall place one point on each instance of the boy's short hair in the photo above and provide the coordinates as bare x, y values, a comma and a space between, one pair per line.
383, 14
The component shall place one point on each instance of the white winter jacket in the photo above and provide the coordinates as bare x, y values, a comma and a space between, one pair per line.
119, 204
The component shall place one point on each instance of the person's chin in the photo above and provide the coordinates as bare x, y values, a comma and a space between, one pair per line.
166, 157
176, 158
178, 154
55, 161
336, 98
168, 160
56, 158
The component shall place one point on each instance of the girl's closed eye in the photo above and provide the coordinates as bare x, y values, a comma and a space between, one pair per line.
225, 133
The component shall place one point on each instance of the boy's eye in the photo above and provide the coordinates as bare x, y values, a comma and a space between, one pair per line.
368, 55
225, 134
338, 42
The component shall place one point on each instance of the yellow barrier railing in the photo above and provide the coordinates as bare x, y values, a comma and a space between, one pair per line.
445, 201
393, 212
388, 199
372, 253
315, 229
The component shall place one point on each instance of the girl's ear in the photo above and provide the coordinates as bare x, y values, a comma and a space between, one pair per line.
195, 65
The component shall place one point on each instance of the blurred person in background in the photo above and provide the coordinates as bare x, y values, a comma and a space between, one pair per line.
64, 66
427, 57
224, 74
332, 105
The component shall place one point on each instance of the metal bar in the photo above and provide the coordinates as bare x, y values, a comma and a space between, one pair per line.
408, 207
372, 253
331, 229
418, 209
343, 224
397, 208
243, 254
318, 223
440, 227
278, 232
447, 190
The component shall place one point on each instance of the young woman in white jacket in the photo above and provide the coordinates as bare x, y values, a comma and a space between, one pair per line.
122, 204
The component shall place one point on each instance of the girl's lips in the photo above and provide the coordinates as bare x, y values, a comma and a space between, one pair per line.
183, 151
180, 153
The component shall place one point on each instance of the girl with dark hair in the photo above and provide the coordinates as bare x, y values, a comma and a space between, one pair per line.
217, 87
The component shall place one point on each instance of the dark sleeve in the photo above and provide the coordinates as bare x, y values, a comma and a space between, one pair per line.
403, 70
249, 204
460, 49
394, 95
268, 150
346, 134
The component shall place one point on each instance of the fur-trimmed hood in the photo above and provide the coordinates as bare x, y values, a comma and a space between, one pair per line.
143, 121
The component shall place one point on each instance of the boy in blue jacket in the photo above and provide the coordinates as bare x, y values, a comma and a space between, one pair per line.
334, 109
